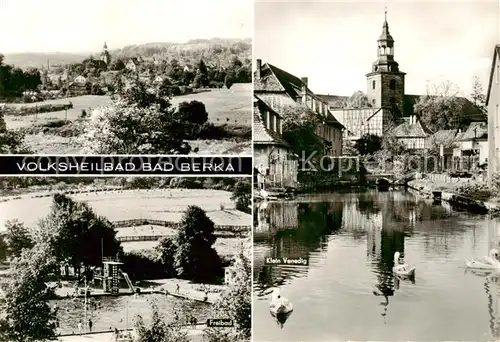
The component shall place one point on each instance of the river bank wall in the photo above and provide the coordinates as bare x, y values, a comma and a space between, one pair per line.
431, 191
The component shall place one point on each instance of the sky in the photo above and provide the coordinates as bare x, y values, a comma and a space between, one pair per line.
83, 25
335, 43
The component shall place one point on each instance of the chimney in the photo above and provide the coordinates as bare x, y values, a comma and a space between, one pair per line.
259, 68
304, 90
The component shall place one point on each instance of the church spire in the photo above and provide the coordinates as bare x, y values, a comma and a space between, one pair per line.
105, 46
385, 52
385, 36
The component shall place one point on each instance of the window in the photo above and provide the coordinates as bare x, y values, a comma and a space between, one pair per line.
373, 84
392, 84
373, 102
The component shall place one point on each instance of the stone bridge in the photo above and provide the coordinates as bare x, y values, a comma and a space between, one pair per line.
389, 177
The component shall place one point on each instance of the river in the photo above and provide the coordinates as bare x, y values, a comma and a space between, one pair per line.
348, 292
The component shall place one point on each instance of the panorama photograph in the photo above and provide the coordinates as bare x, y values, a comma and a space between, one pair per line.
125, 259
97, 77
376, 162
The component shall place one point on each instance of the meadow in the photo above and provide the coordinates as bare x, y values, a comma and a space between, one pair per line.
224, 106
230, 107
119, 205
86, 102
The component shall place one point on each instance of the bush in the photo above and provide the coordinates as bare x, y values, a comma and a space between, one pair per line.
476, 190
140, 265
211, 131
61, 128
175, 90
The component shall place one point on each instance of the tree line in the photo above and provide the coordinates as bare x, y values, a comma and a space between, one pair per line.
15, 81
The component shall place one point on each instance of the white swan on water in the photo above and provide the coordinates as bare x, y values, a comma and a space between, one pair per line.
402, 270
279, 304
486, 262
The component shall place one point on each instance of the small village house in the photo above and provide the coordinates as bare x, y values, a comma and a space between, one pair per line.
132, 64
280, 89
273, 158
493, 103
411, 133
79, 86
473, 142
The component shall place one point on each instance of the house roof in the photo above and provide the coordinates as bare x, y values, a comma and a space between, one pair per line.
262, 135
496, 56
134, 60
469, 110
335, 101
476, 130
292, 85
408, 130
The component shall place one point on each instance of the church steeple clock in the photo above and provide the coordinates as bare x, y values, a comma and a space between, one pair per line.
385, 83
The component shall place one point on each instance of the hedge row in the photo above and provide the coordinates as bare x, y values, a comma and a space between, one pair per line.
29, 110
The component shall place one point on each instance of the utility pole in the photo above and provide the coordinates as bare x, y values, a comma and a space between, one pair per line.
85, 309
126, 326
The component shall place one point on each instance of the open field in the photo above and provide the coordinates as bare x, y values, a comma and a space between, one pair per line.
223, 246
79, 103
221, 104
224, 106
234, 104
54, 144
145, 230
118, 205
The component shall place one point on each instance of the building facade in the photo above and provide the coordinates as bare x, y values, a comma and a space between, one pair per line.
493, 103
280, 89
277, 166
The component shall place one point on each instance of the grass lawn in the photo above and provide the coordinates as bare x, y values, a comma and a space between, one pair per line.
167, 204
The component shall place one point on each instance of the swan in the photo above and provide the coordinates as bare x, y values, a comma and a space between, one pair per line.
486, 262
402, 270
279, 304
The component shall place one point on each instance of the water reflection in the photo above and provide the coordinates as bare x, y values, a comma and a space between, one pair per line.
293, 230
350, 240
281, 318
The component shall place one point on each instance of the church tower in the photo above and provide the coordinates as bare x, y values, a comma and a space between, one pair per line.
105, 55
386, 83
